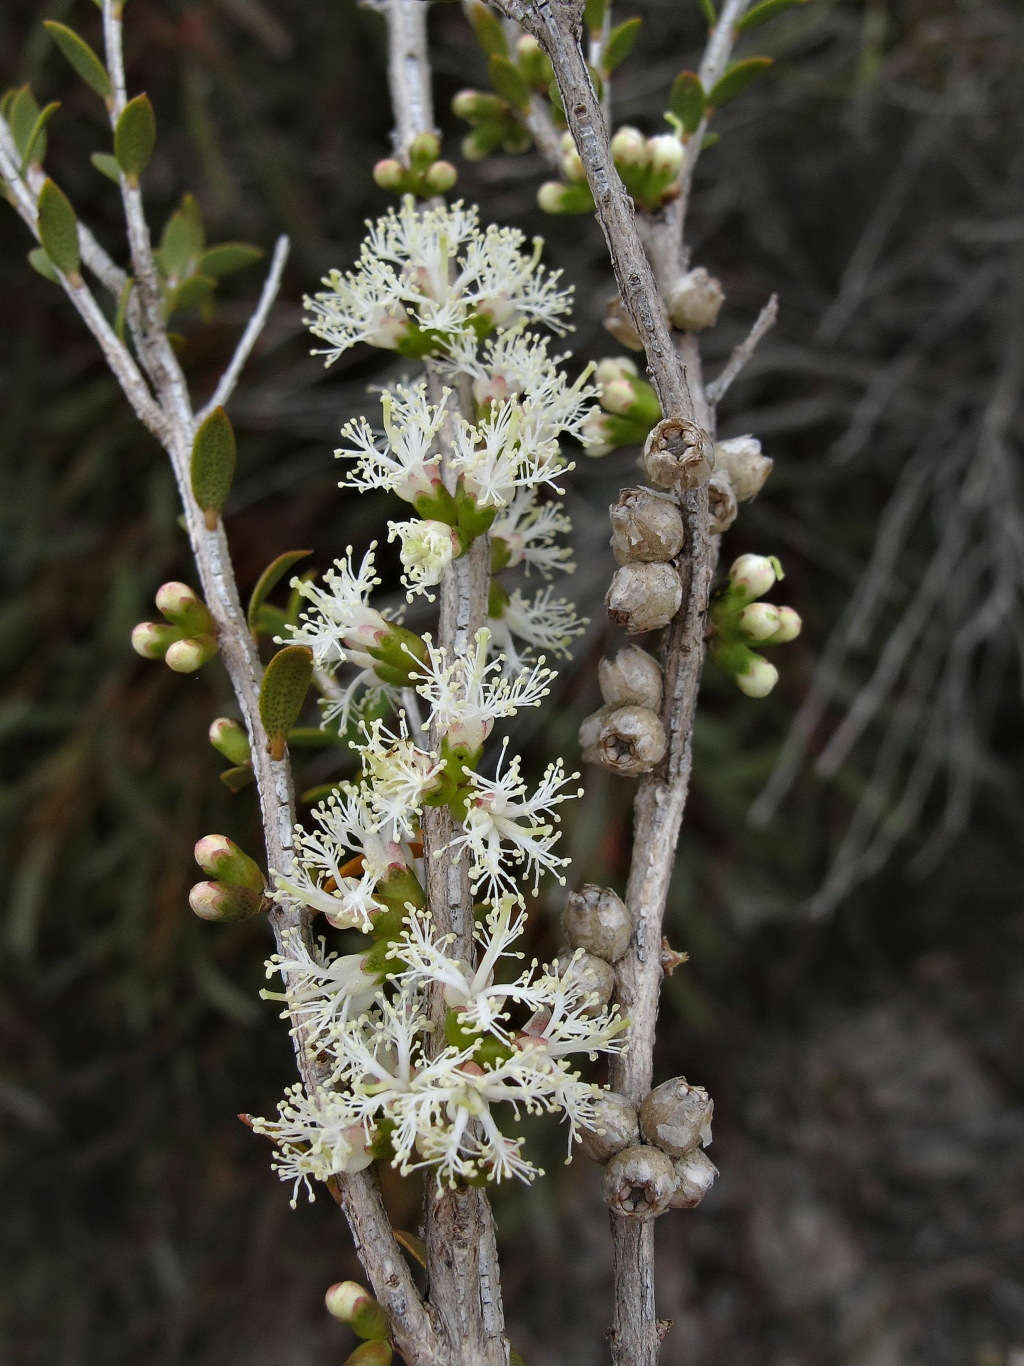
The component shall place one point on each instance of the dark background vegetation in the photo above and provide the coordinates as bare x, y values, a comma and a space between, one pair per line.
866, 1062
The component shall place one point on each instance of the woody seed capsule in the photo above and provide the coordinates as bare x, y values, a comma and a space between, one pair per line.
677, 455
620, 324
595, 919
722, 504
615, 1127
747, 468
695, 1175
695, 300
646, 526
676, 1117
639, 1182
643, 597
632, 678
628, 740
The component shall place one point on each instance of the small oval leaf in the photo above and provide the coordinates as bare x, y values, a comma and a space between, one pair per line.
135, 136
593, 14
58, 228
268, 581
191, 293
283, 692
81, 56
510, 83
619, 45
767, 9
182, 240
21, 111
227, 257
736, 80
213, 463
489, 32
688, 101
106, 165
35, 144
40, 262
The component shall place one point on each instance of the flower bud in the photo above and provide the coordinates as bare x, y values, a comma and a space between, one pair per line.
677, 455
188, 655
639, 1182
759, 621
632, 678
643, 597
665, 155
597, 920
629, 147
182, 607
628, 740
747, 468
695, 300
618, 322
618, 395
350, 1303
646, 526
596, 432
592, 974
376, 1353
615, 1127
229, 739
428, 548
759, 677
441, 177
389, 174
695, 1175
222, 859
217, 901
790, 627
613, 368
751, 576
424, 149
475, 105
572, 166
151, 639
555, 198
676, 1117
722, 505
533, 61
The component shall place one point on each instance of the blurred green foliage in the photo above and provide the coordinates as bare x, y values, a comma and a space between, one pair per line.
141, 1223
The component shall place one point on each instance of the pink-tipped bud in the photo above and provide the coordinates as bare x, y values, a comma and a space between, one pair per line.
441, 177
618, 396
760, 621
615, 1127
597, 920
695, 1175
151, 640
644, 597
629, 147
676, 1117
759, 677
188, 655
613, 368
229, 739
424, 149
350, 1303
665, 155
790, 627
596, 433
217, 901
222, 859
389, 174
751, 576
631, 679
695, 301
182, 607
555, 198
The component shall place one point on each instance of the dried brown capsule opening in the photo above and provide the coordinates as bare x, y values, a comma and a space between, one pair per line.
678, 455
639, 1182
723, 507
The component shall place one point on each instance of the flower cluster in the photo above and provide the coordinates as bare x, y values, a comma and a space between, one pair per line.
472, 449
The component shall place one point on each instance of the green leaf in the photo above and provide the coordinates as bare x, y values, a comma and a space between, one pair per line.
106, 165
687, 100
736, 80
213, 464
235, 779
227, 257
283, 692
182, 240
766, 10
594, 12
81, 56
135, 136
709, 12
191, 293
620, 44
21, 113
58, 228
35, 146
489, 32
268, 581
510, 83
39, 261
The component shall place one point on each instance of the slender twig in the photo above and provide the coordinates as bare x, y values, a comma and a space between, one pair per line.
765, 321
249, 337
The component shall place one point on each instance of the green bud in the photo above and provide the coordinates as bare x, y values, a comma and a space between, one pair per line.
534, 62
350, 1303
555, 198
390, 174
441, 177
377, 1353
183, 607
424, 150
151, 640
400, 650
187, 655
216, 901
222, 859
283, 692
475, 106
229, 739
751, 576
759, 621
398, 888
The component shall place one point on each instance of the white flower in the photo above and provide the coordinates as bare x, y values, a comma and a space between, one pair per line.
316, 1137
341, 623
403, 463
507, 449
468, 694
428, 548
510, 833
528, 529
399, 774
544, 621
